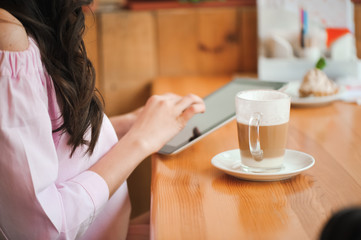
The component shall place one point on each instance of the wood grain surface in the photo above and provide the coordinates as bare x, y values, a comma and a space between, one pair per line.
206, 41
128, 54
191, 199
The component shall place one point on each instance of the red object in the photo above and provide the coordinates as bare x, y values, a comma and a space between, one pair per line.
335, 33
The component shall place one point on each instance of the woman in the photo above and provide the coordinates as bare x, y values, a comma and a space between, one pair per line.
63, 170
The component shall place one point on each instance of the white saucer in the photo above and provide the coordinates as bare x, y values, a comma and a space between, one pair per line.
295, 162
292, 90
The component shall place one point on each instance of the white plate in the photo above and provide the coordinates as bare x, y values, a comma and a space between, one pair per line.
311, 101
295, 162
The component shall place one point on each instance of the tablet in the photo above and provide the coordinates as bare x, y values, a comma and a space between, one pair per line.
220, 109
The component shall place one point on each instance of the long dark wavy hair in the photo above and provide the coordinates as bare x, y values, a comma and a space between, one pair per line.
58, 26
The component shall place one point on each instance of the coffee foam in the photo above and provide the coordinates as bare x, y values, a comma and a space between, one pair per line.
261, 95
273, 106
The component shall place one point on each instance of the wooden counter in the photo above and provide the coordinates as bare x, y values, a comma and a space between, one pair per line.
191, 199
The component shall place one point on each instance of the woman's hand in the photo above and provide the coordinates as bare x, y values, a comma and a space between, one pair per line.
157, 122
163, 117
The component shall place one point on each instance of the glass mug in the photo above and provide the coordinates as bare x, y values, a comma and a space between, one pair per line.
262, 124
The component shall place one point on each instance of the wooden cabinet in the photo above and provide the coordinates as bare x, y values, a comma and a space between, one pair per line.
129, 63
207, 41
130, 48
177, 41
122, 47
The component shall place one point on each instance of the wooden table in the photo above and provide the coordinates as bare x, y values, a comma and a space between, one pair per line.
191, 199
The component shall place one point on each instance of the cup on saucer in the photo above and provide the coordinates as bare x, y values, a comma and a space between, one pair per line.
262, 124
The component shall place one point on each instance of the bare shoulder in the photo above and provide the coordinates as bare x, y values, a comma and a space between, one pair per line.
13, 36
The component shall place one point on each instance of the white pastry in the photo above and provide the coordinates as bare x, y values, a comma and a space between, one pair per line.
316, 83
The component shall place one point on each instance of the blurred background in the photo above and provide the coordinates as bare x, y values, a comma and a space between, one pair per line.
133, 42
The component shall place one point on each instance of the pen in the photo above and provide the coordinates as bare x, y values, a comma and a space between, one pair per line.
304, 26
302, 43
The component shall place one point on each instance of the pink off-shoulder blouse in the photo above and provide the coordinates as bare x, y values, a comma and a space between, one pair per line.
45, 194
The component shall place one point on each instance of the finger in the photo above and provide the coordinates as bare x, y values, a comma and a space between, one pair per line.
187, 101
171, 95
169, 98
189, 112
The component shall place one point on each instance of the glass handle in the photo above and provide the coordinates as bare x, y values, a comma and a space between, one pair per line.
253, 137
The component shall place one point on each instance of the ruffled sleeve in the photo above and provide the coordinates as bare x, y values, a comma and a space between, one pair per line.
33, 204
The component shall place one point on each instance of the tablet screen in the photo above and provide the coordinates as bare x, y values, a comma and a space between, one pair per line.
220, 109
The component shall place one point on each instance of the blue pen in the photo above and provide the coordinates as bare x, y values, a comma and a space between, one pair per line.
302, 40
305, 21
304, 27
